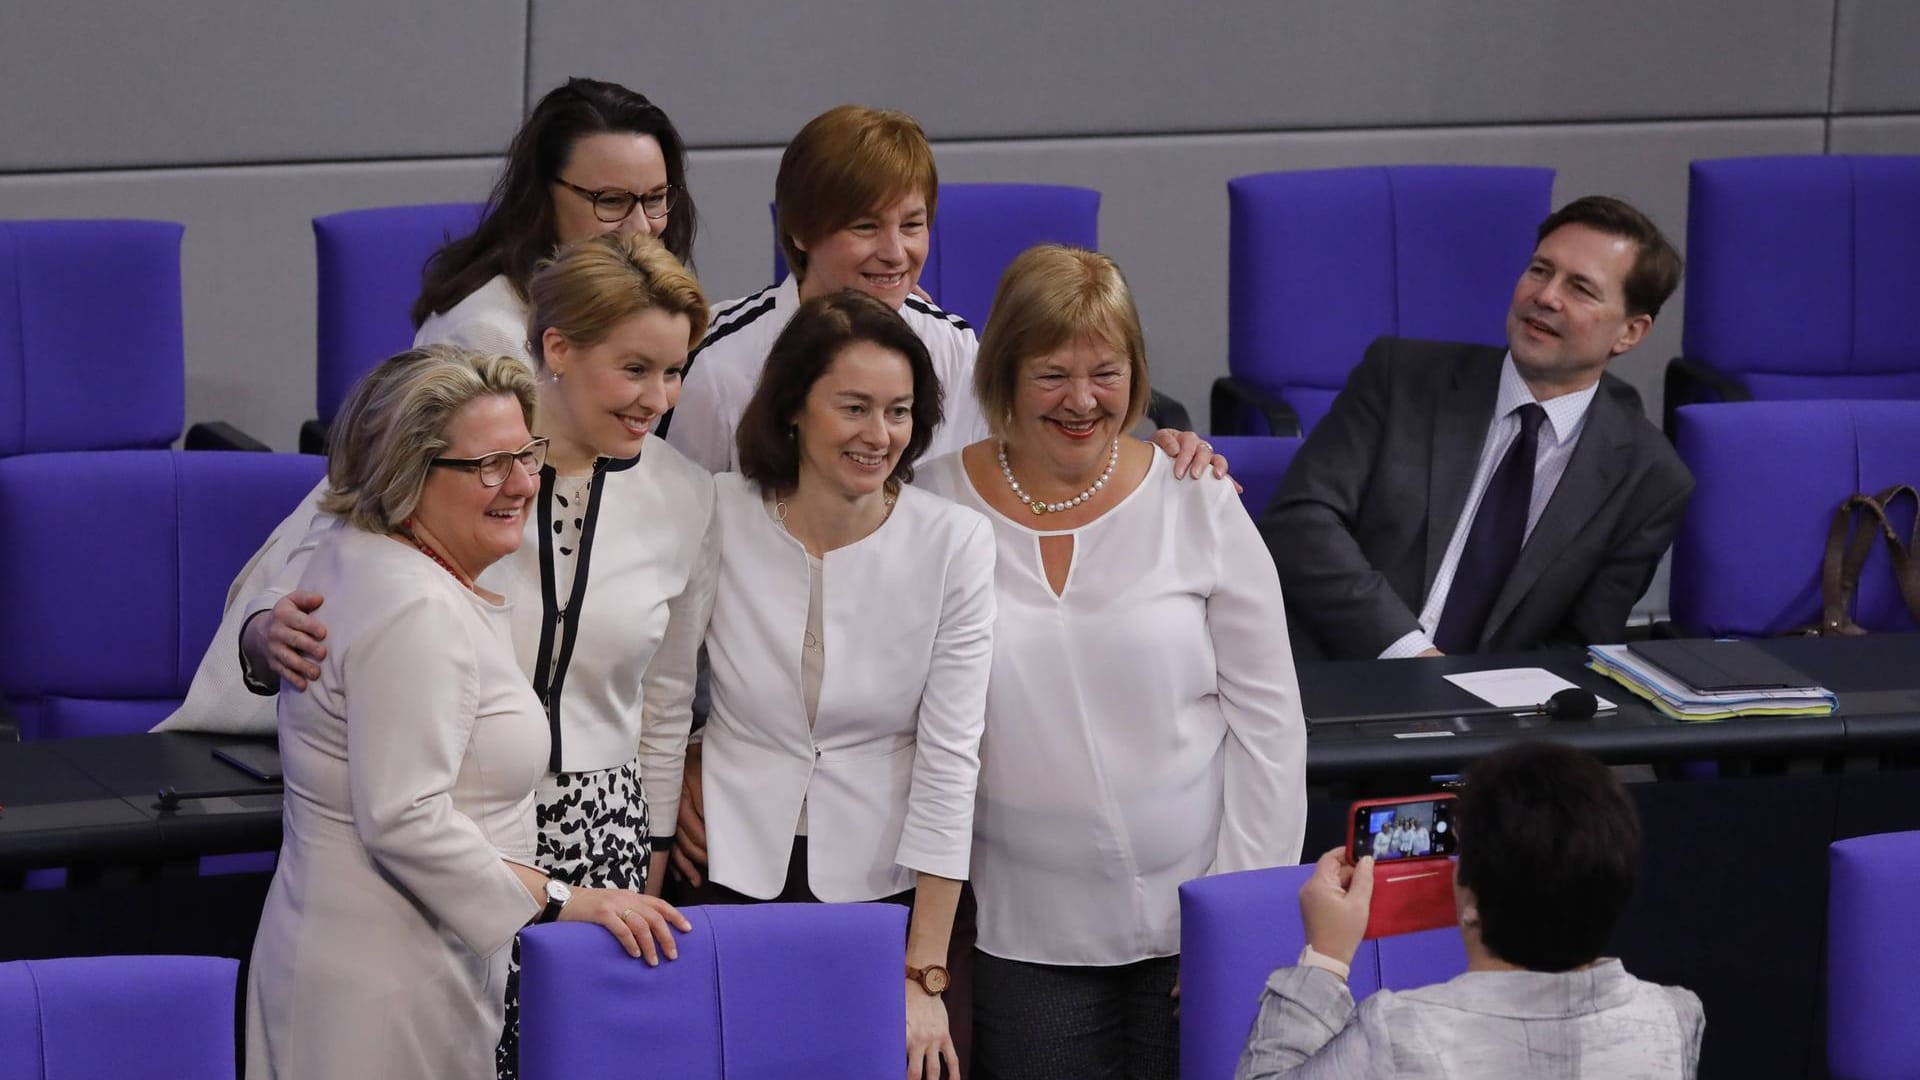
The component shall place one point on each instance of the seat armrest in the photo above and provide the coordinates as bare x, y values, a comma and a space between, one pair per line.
220, 435
313, 437
1230, 392
1167, 412
1692, 382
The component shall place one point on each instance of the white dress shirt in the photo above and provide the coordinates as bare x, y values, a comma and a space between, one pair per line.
887, 770
490, 320
723, 371
1566, 419
1143, 726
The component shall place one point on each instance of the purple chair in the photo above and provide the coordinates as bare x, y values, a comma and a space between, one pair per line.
129, 553
92, 355
1259, 463
1770, 474
1323, 262
1873, 957
979, 228
789, 990
369, 265
118, 1018
1799, 277
1235, 929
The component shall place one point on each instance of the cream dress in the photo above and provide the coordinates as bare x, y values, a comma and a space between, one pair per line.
410, 772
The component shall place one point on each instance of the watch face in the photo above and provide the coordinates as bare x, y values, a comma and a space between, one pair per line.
558, 891
935, 980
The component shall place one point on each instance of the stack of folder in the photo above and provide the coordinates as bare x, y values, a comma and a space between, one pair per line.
1711, 680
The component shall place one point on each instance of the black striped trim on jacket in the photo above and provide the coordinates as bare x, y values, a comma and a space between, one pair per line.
748, 310
937, 312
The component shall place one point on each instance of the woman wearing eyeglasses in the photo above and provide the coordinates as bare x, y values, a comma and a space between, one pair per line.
613, 586
409, 862
595, 157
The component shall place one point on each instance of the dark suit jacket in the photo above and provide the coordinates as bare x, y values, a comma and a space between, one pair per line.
1362, 521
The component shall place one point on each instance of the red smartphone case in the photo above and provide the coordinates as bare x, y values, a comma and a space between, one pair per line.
1409, 895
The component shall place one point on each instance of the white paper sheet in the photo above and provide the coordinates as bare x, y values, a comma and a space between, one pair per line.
1520, 688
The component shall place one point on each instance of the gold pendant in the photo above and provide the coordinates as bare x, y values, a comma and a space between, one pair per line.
1037, 507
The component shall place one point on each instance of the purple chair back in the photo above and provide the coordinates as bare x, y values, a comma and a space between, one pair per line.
120, 384
979, 229
1770, 474
118, 1018
791, 990
1799, 273
1873, 957
1259, 463
370, 264
1322, 262
1235, 929
130, 552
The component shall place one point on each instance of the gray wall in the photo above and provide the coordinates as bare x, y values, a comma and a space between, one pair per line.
245, 120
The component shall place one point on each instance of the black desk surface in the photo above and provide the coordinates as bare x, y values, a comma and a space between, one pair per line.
1877, 679
97, 800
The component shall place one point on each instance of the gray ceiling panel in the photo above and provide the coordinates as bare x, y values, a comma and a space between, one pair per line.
750, 72
127, 83
1876, 57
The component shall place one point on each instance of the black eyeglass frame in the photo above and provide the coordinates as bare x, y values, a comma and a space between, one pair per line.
612, 197
479, 465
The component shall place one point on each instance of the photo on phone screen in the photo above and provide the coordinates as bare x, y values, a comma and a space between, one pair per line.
1417, 829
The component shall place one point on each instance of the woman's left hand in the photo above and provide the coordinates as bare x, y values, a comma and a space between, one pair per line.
1192, 455
929, 1042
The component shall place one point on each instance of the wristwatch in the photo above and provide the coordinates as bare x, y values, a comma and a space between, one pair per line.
557, 896
933, 978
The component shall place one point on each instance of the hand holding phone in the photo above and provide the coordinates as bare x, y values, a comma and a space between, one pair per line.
1411, 841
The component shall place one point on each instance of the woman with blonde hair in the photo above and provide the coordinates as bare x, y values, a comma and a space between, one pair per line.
614, 584
408, 864
1143, 718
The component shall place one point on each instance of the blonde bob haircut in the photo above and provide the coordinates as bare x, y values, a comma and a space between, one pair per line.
1051, 297
848, 162
593, 285
394, 424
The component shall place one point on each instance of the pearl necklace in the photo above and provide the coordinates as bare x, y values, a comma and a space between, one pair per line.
1041, 507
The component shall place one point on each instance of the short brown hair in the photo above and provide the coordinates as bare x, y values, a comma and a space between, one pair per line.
591, 285
1050, 297
394, 423
846, 162
821, 329
1656, 265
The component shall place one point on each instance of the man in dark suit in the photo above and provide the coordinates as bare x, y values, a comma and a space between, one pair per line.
1462, 498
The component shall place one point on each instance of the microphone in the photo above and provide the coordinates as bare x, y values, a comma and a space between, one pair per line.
1572, 703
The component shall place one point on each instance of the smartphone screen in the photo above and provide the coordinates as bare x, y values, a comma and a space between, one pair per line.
1414, 829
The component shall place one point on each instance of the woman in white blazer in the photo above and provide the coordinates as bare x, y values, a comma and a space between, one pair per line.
614, 582
411, 761
1144, 723
850, 644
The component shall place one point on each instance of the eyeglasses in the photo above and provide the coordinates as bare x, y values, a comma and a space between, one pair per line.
612, 205
494, 468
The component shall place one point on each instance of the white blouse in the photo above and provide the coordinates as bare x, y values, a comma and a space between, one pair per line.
1144, 726
490, 320
887, 770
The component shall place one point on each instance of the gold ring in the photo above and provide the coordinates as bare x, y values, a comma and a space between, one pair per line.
626, 913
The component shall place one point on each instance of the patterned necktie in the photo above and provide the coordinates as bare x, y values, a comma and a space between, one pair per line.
1493, 544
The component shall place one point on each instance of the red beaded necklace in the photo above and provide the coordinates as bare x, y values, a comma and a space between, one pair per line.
406, 533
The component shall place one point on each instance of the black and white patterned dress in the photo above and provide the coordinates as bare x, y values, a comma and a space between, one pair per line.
593, 829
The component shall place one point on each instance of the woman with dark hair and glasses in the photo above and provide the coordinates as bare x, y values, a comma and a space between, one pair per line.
1549, 853
850, 642
594, 157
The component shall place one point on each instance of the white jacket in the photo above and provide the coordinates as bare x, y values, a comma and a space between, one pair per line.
887, 773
